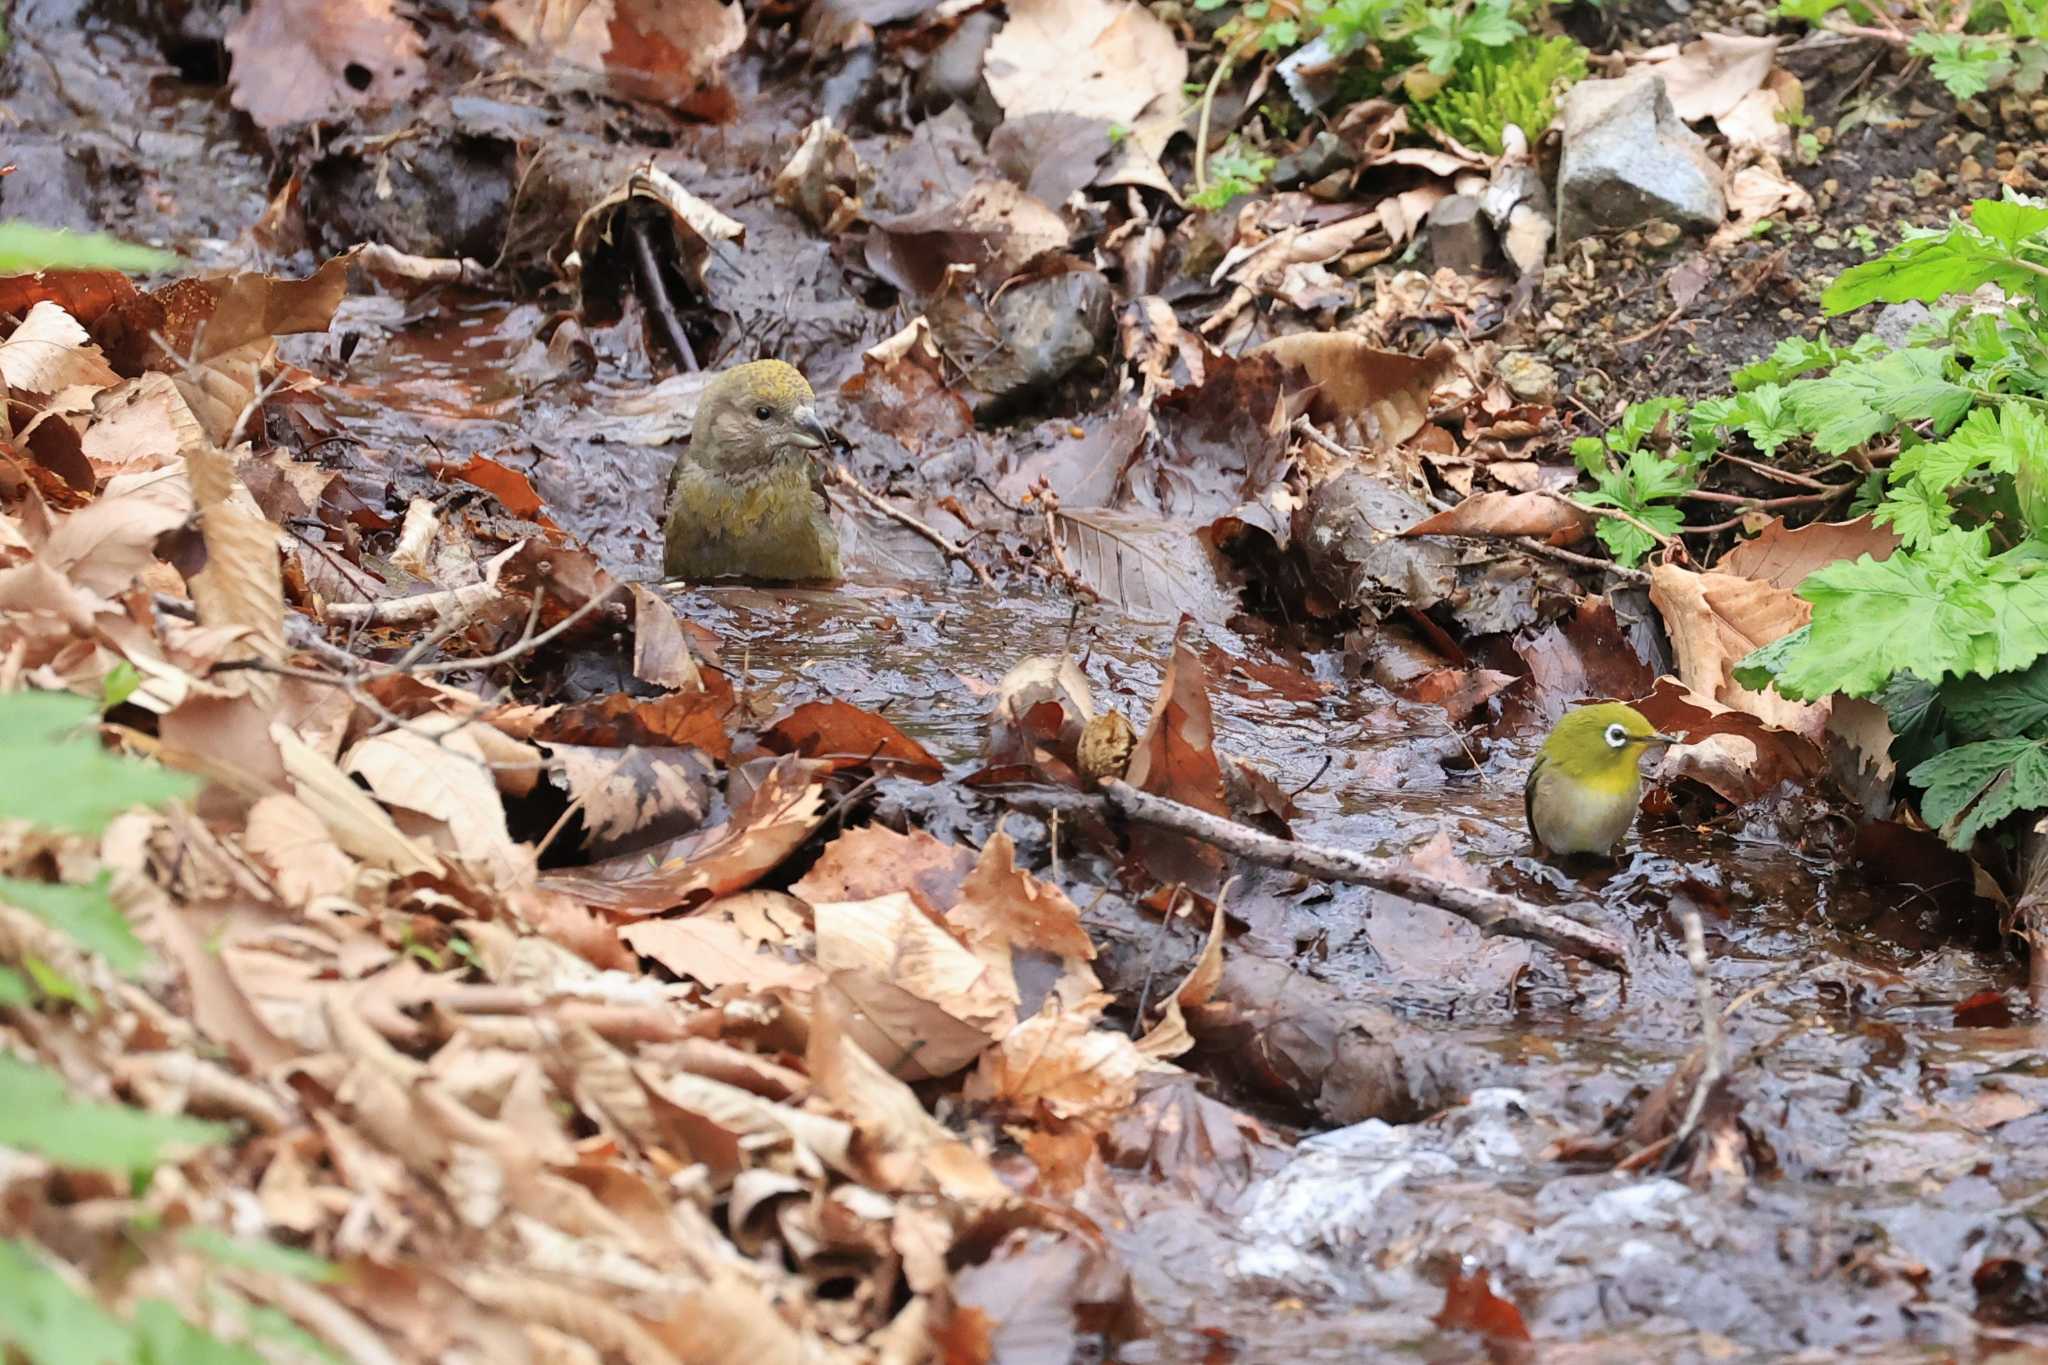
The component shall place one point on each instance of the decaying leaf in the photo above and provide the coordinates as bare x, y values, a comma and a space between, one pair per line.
1360, 394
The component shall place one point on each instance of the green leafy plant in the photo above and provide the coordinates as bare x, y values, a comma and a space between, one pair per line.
1949, 633
1970, 49
80, 787
1233, 171
1630, 475
1518, 84
26, 247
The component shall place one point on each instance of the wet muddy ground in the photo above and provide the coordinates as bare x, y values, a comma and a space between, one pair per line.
1887, 1085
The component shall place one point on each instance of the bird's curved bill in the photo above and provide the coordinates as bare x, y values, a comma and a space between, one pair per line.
811, 433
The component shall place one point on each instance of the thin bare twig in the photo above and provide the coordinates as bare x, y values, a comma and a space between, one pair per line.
657, 293
1308, 430
1715, 1066
412, 611
1493, 912
950, 548
1549, 551
526, 644
1781, 475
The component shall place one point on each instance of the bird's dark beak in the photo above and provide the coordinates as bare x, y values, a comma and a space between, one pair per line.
808, 431
1662, 739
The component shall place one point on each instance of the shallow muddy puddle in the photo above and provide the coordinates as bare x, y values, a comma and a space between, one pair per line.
1891, 1129
1892, 1142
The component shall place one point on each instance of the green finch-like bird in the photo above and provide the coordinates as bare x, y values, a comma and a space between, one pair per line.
747, 499
1582, 791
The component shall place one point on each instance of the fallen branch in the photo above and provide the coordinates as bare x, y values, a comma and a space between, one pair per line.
1492, 912
657, 294
1713, 1044
952, 549
464, 602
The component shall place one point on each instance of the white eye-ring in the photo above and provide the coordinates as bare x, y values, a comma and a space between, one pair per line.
1616, 736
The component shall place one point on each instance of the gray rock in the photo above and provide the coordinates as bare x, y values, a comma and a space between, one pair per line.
1460, 238
1897, 319
1324, 154
1527, 378
1032, 336
1628, 159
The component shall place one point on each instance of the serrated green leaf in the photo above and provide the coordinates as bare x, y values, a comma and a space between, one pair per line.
1972, 787
1917, 511
1989, 439
1838, 414
267, 1257
1766, 418
37, 1115
2008, 706
79, 786
1925, 266
1945, 609
1967, 65
1919, 724
85, 914
25, 248
2009, 221
1760, 667
48, 1321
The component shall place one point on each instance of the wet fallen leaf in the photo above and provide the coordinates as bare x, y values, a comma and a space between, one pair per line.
1509, 514
1105, 59
1716, 620
1783, 557
1360, 394
873, 860
848, 737
1176, 758
296, 61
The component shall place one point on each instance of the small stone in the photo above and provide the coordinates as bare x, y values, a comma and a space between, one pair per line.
1591, 388
1460, 238
2005, 160
1895, 320
1973, 111
1628, 159
1528, 378
1970, 169
1324, 154
1970, 142
1927, 181
1660, 234
1827, 241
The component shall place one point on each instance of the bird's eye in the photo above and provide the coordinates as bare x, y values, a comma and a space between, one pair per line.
762, 412
1616, 736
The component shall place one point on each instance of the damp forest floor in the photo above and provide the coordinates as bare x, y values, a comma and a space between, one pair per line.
524, 1116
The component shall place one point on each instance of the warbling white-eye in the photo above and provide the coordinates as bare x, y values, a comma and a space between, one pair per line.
1582, 791
747, 498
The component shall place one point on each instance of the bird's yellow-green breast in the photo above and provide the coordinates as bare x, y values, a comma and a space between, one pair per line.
1583, 789
746, 499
